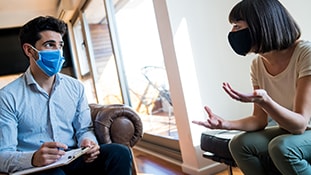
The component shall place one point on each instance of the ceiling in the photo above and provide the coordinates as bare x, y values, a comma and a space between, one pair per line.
15, 13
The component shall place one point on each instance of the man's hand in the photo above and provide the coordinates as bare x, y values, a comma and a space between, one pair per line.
93, 153
48, 153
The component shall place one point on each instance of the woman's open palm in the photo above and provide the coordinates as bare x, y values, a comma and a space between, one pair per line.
213, 121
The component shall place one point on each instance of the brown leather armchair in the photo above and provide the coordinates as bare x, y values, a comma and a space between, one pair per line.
117, 123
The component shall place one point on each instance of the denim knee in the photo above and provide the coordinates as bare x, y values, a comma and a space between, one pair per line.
117, 158
116, 150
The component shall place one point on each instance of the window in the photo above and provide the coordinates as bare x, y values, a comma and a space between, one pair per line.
125, 65
144, 67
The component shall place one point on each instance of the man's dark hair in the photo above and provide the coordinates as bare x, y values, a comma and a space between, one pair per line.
270, 24
30, 32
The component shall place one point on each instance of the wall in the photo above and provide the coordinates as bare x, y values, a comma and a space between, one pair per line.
200, 60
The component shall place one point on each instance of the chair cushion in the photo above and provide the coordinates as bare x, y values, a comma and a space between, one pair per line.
216, 143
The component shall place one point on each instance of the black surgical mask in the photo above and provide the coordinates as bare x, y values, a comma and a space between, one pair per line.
240, 41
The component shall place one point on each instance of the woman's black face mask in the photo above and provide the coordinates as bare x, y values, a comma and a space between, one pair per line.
240, 41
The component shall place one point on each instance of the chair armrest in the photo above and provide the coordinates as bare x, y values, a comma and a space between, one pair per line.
116, 123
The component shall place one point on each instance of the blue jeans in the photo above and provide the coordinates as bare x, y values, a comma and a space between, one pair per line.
114, 159
272, 151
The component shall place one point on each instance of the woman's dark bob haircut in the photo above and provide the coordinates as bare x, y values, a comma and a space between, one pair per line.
270, 24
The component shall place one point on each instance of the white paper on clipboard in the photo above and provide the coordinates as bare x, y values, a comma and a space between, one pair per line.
64, 160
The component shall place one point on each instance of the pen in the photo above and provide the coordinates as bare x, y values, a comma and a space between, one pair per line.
59, 148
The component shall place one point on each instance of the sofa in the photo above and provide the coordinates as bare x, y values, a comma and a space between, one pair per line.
116, 123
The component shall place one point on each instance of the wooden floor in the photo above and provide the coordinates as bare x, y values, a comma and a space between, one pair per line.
235, 171
150, 165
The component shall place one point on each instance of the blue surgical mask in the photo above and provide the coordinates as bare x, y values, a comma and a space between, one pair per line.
50, 61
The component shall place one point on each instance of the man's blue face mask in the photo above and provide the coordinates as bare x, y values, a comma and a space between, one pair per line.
50, 61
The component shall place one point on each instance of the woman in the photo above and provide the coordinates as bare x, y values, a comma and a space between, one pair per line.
281, 78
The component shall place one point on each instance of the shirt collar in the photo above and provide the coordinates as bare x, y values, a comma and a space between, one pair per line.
30, 79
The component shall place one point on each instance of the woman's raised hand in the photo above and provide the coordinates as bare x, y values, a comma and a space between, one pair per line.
257, 96
213, 121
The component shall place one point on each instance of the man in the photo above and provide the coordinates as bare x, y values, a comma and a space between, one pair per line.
44, 112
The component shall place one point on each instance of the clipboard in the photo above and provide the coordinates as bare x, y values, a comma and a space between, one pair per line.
69, 157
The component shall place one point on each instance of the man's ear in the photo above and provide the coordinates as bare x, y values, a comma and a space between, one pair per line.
27, 49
